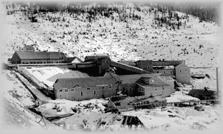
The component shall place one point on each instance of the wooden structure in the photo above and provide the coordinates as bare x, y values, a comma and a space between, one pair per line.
180, 71
29, 57
145, 84
85, 88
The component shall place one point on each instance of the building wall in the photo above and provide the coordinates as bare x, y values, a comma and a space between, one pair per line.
155, 91
129, 89
183, 74
165, 71
15, 59
40, 61
103, 65
168, 90
80, 93
145, 64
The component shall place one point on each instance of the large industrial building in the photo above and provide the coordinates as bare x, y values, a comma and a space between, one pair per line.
30, 57
85, 88
175, 69
146, 85
109, 85
142, 78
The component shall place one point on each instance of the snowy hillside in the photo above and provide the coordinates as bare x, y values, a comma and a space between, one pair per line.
131, 39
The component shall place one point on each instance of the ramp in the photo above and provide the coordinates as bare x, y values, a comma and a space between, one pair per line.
128, 67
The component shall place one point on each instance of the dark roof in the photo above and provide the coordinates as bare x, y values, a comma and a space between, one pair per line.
26, 55
201, 92
84, 82
71, 59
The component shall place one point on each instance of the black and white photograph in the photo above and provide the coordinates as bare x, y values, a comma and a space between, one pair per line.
111, 66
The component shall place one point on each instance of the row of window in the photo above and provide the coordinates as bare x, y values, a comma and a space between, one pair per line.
81, 94
171, 72
142, 90
41, 62
185, 70
73, 89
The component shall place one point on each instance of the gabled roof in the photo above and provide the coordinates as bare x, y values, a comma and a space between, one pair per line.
134, 78
181, 65
156, 82
85, 82
26, 55
73, 60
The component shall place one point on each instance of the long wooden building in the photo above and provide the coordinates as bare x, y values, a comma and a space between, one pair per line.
30, 57
85, 88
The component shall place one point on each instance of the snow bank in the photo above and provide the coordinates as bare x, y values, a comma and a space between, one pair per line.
180, 96
61, 107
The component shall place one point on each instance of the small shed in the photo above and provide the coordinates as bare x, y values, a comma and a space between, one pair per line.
28, 48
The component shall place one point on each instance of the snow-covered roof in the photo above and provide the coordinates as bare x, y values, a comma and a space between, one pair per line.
134, 78
85, 82
27, 55
155, 82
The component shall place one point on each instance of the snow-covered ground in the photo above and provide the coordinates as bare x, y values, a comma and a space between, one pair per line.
175, 119
197, 43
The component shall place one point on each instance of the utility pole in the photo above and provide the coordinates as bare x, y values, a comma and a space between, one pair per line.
217, 86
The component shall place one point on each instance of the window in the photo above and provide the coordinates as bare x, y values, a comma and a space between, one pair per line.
60, 90
180, 71
164, 72
66, 90
88, 88
94, 92
60, 96
102, 87
72, 89
118, 104
81, 94
110, 86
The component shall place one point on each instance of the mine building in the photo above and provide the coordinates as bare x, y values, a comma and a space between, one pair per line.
30, 57
176, 69
85, 88
146, 85
103, 63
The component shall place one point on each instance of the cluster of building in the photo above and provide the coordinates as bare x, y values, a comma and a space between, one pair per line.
144, 79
